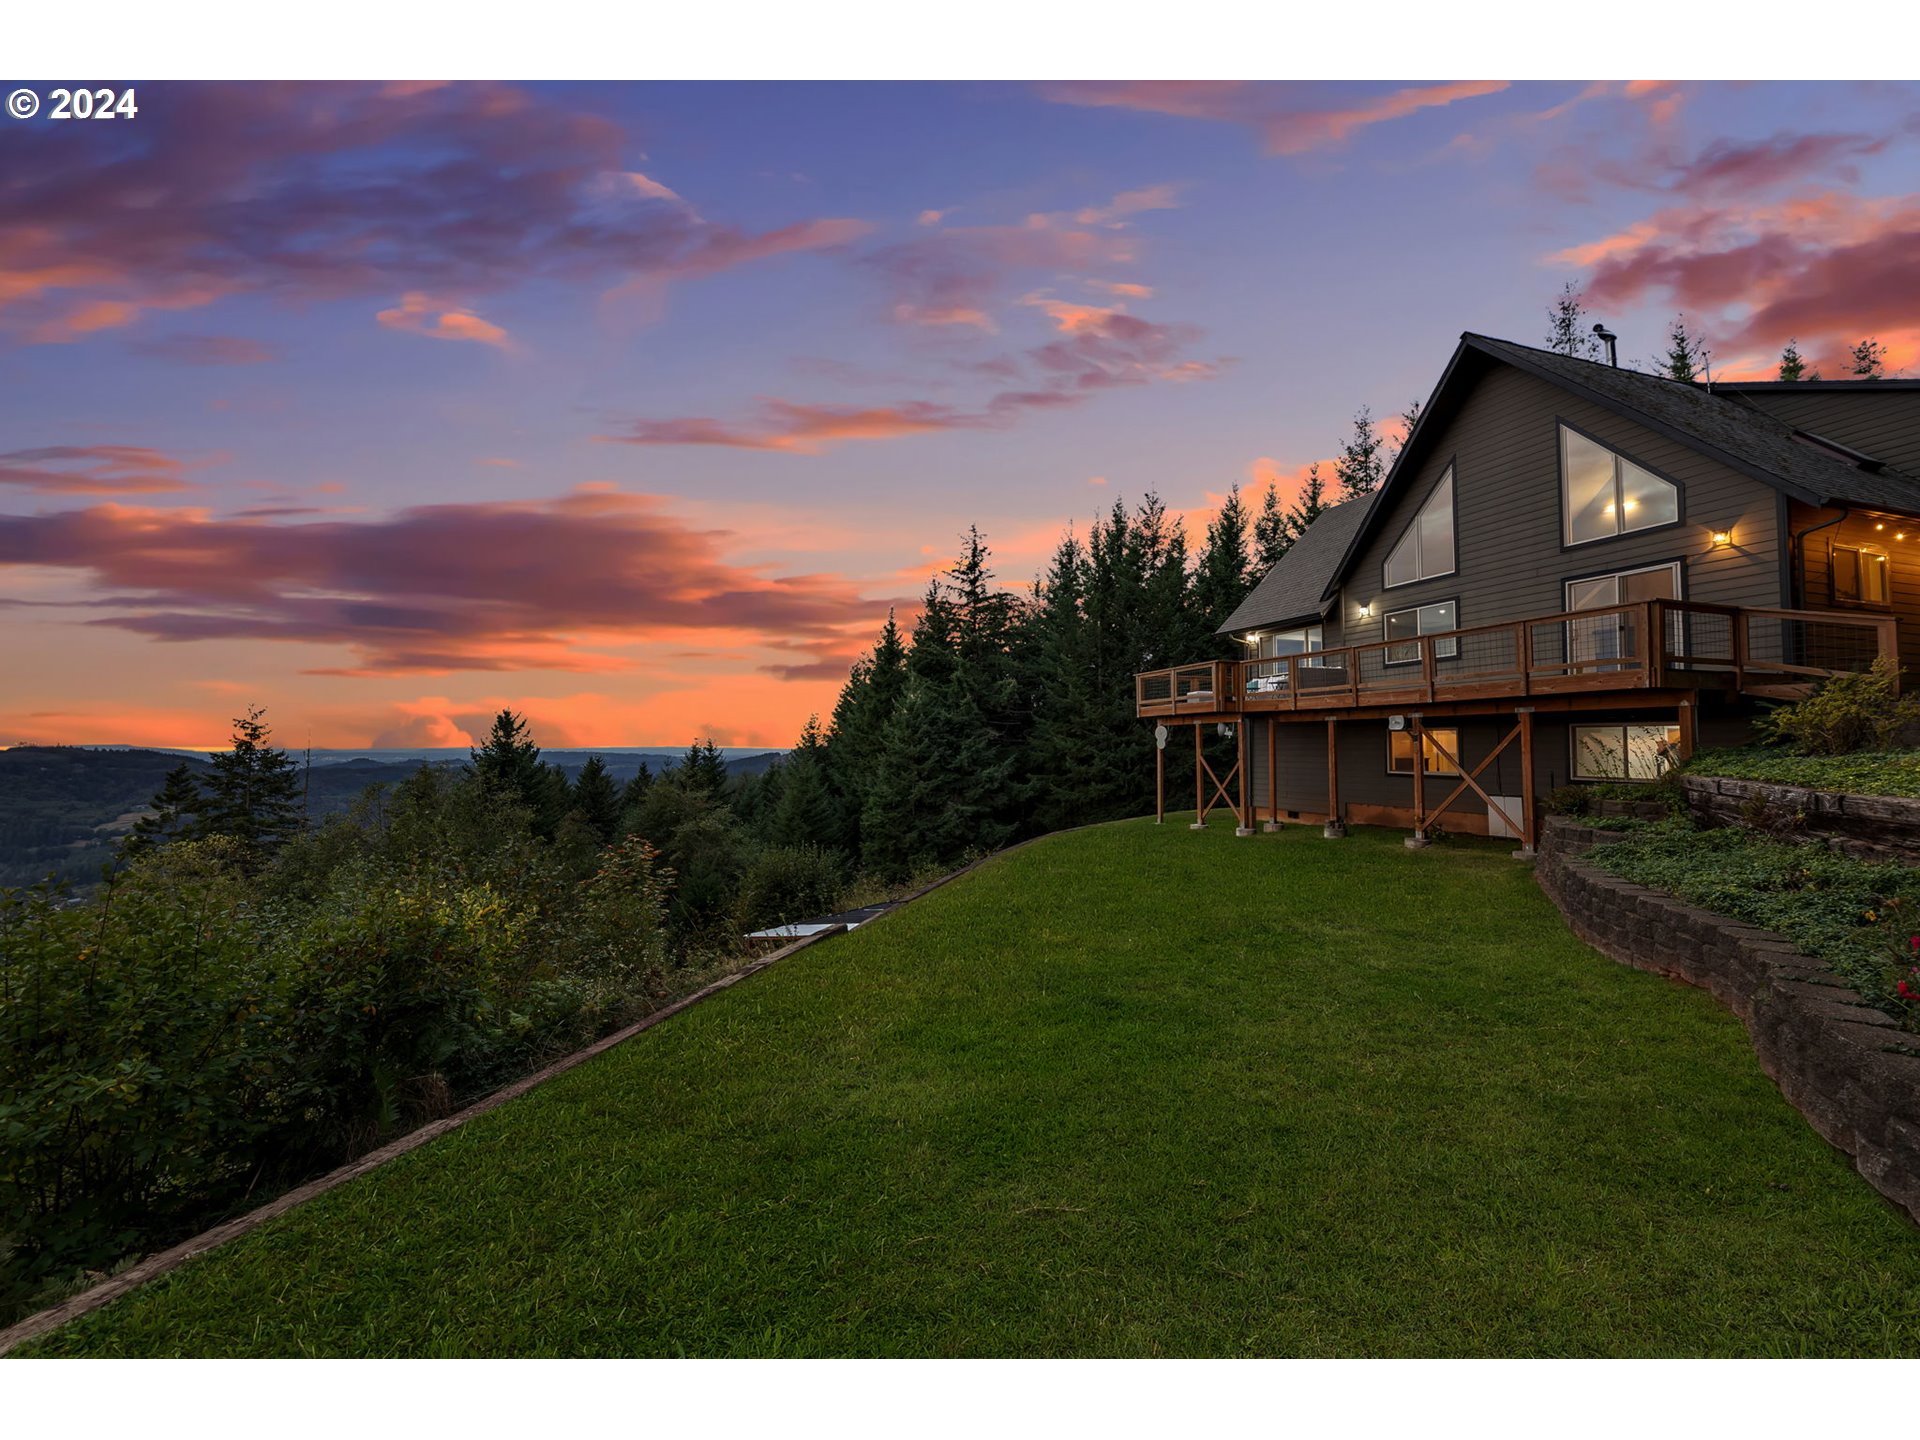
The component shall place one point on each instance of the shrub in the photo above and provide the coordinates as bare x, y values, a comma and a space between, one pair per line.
1568, 800
1845, 713
789, 882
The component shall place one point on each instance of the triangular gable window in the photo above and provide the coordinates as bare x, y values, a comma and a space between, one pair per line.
1603, 494
1426, 549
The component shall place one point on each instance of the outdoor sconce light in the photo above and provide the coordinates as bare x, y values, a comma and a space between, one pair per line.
1366, 611
1722, 537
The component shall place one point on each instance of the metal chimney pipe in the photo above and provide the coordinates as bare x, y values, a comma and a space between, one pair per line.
1613, 355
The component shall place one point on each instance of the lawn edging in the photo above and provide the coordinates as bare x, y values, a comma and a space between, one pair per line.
1865, 827
1841, 1063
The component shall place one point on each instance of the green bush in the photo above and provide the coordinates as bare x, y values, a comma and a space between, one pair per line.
789, 882
1845, 713
1867, 772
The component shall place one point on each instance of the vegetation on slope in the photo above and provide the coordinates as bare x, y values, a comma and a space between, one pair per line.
1129, 1091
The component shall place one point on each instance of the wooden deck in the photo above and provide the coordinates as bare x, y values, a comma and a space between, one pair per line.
1622, 652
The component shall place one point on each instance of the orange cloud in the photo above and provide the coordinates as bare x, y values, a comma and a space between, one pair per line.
92, 470
416, 314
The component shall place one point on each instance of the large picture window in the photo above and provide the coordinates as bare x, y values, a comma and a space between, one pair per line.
1603, 494
1400, 751
1624, 752
1426, 549
1422, 620
1862, 576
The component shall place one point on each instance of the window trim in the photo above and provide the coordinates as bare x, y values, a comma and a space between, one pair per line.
1560, 490
1447, 470
1862, 548
1573, 748
1453, 600
1453, 730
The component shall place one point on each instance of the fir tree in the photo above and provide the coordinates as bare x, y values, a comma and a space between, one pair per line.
1311, 504
632, 796
1567, 330
1792, 367
858, 727
1272, 535
596, 798
1868, 360
252, 792
805, 813
703, 769
1220, 580
1687, 356
1359, 466
172, 814
1409, 418
509, 764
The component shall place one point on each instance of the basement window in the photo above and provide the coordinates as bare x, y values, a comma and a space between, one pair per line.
1603, 494
1862, 575
1624, 752
1400, 751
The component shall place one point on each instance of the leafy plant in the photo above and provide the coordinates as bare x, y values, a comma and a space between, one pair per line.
1845, 713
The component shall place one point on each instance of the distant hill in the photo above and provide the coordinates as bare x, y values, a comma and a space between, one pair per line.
64, 808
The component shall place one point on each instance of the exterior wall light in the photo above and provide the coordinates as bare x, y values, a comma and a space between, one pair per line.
1722, 538
1366, 611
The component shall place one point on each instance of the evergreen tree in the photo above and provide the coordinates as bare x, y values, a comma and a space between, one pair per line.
858, 727
632, 796
1220, 580
1071, 757
1567, 330
252, 793
172, 814
1687, 356
509, 763
805, 813
597, 799
1311, 504
1359, 466
1792, 367
704, 769
1868, 360
1272, 535
1409, 418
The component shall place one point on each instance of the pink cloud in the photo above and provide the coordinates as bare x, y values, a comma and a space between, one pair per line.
416, 314
1265, 108
207, 350
92, 470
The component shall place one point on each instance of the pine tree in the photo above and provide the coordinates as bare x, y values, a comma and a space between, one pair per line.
596, 798
252, 793
1687, 356
509, 764
805, 813
172, 814
1567, 330
703, 769
1868, 360
1409, 418
1272, 535
1311, 504
1220, 580
1792, 367
632, 796
1359, 466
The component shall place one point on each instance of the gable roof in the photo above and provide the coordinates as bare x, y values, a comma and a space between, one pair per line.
1293, 590
1724, 426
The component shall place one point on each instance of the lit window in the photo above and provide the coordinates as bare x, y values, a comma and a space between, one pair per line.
1422, 620
1624, 752
1426, 549
1290, 642
1604, 494
1400, 752
1861, 575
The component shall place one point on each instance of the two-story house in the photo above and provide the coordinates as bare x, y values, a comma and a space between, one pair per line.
1572, 572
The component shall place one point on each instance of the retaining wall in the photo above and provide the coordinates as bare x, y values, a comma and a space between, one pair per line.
1847, 1067
1867, 827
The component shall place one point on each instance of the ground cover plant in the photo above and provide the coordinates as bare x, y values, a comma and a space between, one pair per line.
1864, 772
1126, 1091
1862, 919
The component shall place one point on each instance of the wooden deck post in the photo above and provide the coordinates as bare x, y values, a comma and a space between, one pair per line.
1273, 775
1245, 827
1199, 778
1335, 826
1689, 729
1419, 837
1528, 821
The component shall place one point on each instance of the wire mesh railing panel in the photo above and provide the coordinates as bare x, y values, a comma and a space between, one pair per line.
1477, 655
1800, 643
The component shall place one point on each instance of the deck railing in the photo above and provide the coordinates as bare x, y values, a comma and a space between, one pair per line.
1644, 644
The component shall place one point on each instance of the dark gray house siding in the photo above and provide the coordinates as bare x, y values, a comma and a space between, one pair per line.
1884, 424
1510, 558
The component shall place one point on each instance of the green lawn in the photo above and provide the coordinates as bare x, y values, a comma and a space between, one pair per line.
1130, 1091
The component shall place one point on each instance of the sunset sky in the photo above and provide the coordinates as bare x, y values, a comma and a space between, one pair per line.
634, 407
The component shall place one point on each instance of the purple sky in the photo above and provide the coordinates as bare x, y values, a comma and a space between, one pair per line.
635, 406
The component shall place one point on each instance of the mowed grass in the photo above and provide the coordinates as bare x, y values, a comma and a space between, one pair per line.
1128, 1091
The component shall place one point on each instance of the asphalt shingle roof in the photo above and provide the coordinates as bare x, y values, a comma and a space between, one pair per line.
1292, 590
1720, 423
